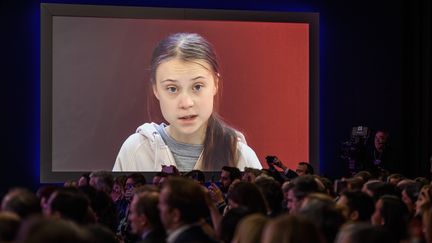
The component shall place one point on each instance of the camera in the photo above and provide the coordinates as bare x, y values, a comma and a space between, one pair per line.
270, 159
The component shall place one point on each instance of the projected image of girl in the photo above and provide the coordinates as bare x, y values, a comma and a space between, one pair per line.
185, 79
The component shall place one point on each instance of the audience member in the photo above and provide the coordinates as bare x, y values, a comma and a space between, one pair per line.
247, 195
84, 180
144, 217
356, 206
363, 232
9, 225
118, 192
50, 230
227, 177
182, 206
299, 188
69, 204
272, 192
291, 229
229, 222
197, 176
392, 214
22, 202
102, 206
323, 213
250, 229
102, 181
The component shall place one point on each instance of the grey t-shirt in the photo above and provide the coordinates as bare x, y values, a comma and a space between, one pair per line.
185, 155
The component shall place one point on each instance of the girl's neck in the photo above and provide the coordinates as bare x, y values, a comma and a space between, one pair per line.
195, 138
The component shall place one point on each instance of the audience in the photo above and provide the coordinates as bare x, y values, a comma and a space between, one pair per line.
291, 229
250, 229
253, 206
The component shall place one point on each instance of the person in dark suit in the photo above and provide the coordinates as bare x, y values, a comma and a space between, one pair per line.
144, 217
182, 206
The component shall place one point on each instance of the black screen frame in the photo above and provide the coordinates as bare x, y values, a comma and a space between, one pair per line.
49, 10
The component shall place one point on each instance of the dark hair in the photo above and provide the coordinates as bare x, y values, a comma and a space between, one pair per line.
104, 182
38, 229
325, 216
292, 228
196, 175
102, 206
229, 223
147, 204
395, 215
9, 225
22, 202
138, 178
188, 197
360, 202
219, 136
72, 204
273, 195
234, 172
248, 195
309, 168
304, 185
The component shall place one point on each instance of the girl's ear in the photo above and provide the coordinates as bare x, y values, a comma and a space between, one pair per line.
155, 92
216, 88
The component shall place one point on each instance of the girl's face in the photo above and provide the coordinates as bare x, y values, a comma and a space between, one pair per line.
185, 91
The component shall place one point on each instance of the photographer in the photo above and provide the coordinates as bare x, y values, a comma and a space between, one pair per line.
379, 158
303, 168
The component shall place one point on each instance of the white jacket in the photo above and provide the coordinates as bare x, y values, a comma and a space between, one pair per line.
145, 150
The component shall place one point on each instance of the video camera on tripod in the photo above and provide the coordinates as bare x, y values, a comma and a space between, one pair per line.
352, 151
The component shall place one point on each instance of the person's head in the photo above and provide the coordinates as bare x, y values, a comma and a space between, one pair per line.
38, 229
227, 176
424, 198
392, 214
144, 212
291, 229
364, 175
381, 140
322, 211
132, 181
272, 193
69, 204
118, 188
84, 179
363, 232
185, 77
356, 206
299, 188
250, 174
102, 181
245, 194
22, 202
250, 229
197, 176
181, 202
9, 225
158, 178
229, 222
427, 221
395, 178
304, 168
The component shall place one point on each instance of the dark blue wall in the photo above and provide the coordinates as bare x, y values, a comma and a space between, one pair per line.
360, 79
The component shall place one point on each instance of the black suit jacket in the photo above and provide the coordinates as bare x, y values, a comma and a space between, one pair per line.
155, 236
194, 234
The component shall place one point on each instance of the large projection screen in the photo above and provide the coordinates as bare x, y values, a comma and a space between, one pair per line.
95, 74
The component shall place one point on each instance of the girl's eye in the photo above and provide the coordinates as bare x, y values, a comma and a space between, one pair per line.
197, 87
172, 89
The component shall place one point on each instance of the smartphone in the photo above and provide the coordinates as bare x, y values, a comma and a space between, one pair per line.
340, 186
168, 169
